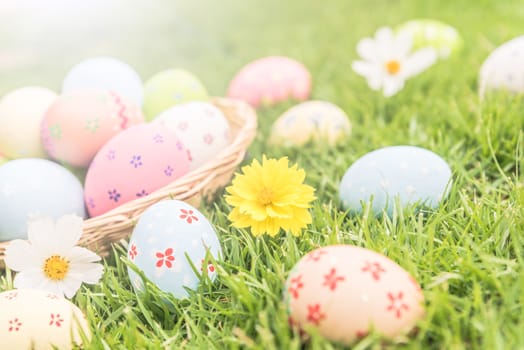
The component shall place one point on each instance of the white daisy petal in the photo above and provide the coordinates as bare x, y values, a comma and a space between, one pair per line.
70, 286
82, 255
30, 278
39, 233
366, 49
419, 61
68, 230
370, 71
384, 43
392, 86
88, 273
20, 255
403, 45
53, 287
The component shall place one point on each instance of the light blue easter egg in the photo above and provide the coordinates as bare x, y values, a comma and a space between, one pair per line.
400, 174
31, 187
168, 239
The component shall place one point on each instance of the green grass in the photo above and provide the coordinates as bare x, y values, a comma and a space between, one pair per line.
468, 255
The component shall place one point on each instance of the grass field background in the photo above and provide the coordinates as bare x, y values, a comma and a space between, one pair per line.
468, 255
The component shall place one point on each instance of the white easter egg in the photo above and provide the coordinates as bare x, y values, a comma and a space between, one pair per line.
504, 68
411, 175
39, 320
202, 128
344, 292
32, 187
21, 113
105, 73
169, 240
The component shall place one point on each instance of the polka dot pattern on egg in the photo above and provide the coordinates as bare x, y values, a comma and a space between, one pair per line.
405, 173
504, 68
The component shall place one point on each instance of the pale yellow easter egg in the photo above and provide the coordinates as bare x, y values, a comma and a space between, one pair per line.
21, 113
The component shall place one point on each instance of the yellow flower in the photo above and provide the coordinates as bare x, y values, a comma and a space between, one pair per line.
270, 196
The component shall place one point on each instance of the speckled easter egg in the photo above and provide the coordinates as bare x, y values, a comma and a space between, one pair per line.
21, 113
431, 33
105, 73
39, 320
171, 87
270, 80
170, 241
344, 292
411, 175
311, 121
133, 164
80, 122
32, 187
504, 68
202, 128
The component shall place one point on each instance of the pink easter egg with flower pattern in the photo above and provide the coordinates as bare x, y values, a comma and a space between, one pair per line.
79, 122
271, 80
344, 292
133, 164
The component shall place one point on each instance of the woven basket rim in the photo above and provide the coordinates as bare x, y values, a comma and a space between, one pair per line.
194, 186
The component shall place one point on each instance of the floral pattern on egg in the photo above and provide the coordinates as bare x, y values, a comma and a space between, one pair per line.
169, 239
132, 165
80, 122
343, 291
201, 127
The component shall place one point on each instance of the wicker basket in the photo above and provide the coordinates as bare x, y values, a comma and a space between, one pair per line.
101, 231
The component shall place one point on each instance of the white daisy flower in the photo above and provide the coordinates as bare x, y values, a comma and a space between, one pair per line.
49, 260
388, 61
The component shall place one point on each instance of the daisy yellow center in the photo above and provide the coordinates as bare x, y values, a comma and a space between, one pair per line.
393, 67
56, 267
265, 197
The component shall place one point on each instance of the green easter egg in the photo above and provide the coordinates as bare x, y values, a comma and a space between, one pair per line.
431, 33
171, 87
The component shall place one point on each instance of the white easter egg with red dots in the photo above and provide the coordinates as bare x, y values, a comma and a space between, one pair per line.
504, 68
35, 319
202, 128
270, 80
133, 164
169, 243
344, 291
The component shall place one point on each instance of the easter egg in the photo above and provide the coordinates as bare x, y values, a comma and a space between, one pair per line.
344, 292
171, 87
78, 123
21, 113
311, 121
171, 240
431, 33
133, 164
105, 73
270, 80
504, 68
39, 320
202, 128
411, 175
32, 187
